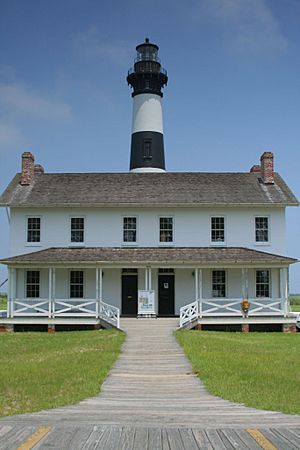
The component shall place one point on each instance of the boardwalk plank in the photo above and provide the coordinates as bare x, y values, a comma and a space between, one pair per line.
234, 439
216, 440
165, 440
94, 438
277, 441
188, 439
140, 439
113, 440
16, 436
154, 439
288, 436
174, 439
204, 440
247, 439
127, 438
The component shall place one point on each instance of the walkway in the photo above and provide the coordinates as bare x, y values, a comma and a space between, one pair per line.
152, 396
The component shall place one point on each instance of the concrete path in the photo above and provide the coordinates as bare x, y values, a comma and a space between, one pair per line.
152, 397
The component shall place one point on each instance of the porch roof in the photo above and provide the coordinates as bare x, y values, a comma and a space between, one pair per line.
148, 255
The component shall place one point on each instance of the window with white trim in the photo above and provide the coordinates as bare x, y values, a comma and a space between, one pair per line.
32, 283
129, 229
262, 283
76, 284
261, 229
77, 229
218, 283
33, 229
165, 229
217, 229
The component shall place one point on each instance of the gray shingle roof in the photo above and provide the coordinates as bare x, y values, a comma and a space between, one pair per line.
174, 255
182, 188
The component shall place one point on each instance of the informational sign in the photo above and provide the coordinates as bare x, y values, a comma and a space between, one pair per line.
146, 302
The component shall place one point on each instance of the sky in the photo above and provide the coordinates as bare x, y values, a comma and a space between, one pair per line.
233, 89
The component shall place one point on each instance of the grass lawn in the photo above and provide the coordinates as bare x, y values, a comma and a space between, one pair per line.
3, 301
258, 369
295, 302
43, 370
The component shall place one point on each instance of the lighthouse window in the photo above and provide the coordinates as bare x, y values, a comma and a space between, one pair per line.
129, 229
147, 148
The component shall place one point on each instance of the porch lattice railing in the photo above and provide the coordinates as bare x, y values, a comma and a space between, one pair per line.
231, 307
65, 308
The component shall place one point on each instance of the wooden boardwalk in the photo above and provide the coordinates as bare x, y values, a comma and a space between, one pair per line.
152, 400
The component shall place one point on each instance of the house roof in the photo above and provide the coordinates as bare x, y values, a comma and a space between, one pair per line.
148, 255
147, 189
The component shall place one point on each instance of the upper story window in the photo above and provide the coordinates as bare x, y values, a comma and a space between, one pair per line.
76, 284
165, 229
129, 229
32, 283
33, 229
218, 283
77, 229
261, 229
262, 283
217, 230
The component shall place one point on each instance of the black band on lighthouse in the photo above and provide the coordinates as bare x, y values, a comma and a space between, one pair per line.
147, 150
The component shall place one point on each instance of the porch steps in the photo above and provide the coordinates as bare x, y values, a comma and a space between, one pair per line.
152, 385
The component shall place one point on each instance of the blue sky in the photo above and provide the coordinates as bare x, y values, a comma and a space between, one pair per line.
233, 91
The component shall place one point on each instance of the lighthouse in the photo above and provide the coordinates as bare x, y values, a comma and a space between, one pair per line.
147, 78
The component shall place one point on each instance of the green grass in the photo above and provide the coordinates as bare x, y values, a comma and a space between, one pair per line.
3, 301
295, 302
40, 370
258, 369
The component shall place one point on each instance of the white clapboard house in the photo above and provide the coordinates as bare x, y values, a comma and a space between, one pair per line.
90, 246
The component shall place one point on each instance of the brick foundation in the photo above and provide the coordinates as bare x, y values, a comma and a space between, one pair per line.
51, 328
245, 328
289, 328
6, 328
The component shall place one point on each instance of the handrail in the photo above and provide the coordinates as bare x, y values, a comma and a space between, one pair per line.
188, 313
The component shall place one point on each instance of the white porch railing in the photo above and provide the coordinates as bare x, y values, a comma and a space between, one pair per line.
230, 307
65, 308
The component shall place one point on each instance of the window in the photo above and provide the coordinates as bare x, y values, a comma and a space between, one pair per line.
129, 229
32, 283
147, 148
262, 283
218, 283
261, 229
77, 229
217, 229
33, 229
76, 284
166, 229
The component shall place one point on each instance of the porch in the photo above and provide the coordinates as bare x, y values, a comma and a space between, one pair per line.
192, 283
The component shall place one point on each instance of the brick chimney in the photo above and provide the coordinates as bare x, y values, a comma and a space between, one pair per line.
267, 167
256, 169
38, 169
27, 169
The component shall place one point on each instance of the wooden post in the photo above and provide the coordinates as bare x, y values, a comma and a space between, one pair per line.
149, 278
100, 278
53, 291
284, 291
50, 294
245, 284
97, 292
9, 293
200, 282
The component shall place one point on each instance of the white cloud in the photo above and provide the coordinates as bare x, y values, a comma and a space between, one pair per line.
18, 99
247, 25
91, 44
11, 138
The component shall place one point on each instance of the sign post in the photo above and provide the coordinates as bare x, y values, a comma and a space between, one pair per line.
146, 303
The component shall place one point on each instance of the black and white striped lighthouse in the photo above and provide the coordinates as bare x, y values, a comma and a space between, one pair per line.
147, 79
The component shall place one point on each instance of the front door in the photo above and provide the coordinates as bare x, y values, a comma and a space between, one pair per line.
166, 295
129, 294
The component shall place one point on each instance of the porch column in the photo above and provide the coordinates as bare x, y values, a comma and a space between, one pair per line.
284, 290
198, 288
148, 279
50, 295
245, 283
98, 291
9, 292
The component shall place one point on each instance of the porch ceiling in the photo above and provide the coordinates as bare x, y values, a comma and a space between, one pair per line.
149, 255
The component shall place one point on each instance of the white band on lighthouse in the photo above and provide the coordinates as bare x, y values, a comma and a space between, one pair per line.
147, 113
